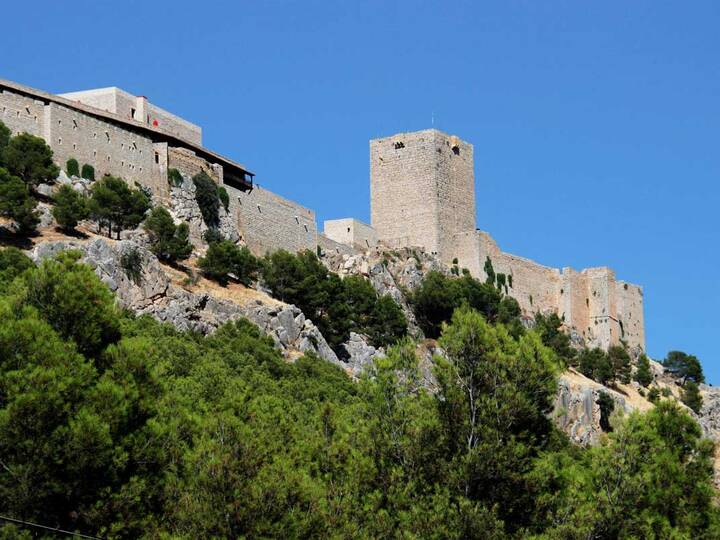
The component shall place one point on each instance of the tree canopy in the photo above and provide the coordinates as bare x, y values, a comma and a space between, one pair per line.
121, 427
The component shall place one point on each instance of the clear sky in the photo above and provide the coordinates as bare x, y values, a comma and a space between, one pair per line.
595, 124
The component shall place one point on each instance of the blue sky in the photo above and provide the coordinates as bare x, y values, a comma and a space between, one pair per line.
595, 125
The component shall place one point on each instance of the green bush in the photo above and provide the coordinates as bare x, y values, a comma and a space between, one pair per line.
131, 263
691, 396
337, 306
5, 135
437, 297
643, 373
595, 364
224, 259
114, 205
72, 167
224, 197
175, 177
206, 195
607, 405
169, 242
17, 204
550, 329
30, 159
213, 235
13, 262
88, 172
70, 207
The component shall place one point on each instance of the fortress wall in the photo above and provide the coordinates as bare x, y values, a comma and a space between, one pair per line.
174, 124
630, 312
352, 232
402, 187
328, 245
106, 99
189, 164
602, 315
268, 222
22, 114
574, 302
107, 147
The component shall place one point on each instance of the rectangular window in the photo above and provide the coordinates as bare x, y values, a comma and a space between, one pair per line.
157, 157
132, 113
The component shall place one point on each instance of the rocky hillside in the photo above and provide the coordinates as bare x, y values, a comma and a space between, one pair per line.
190, 302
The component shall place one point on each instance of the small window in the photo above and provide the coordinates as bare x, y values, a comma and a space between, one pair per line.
75, 125
132, 113
59, 140
259, 210
107, 134
306, 229
456, 149
348, 229
157, 157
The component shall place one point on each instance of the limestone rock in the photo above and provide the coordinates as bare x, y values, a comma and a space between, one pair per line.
359, 354
153, 294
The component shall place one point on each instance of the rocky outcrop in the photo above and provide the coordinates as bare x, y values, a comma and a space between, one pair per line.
184, 207
151, 292
391, 272
577, 408
359, 354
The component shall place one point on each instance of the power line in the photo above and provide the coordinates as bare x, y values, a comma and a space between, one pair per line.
45, 527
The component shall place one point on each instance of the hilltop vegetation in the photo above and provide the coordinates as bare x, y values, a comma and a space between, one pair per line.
122, 427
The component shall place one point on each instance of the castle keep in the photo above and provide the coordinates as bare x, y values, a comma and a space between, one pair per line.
422, 195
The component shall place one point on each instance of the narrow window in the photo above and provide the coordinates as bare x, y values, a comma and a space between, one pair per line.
132, 113
157, 157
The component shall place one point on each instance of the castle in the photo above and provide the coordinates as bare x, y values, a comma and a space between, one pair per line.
422, 195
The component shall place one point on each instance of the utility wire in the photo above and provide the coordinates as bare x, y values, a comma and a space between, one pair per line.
45, 527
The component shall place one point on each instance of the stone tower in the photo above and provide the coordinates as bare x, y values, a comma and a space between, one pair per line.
422, 190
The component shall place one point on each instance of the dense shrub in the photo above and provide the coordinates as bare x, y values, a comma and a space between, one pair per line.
337, 306
595, 364
169, 242
206, 195
152, 432
5, 134
17, 204
174, 177
224, 259
551, 331
212, 235
132, 264
437, 297
70, 207
643, 373
88, 172
30, 159
224, 197
115, 205
13, 262
691, 396
72, 167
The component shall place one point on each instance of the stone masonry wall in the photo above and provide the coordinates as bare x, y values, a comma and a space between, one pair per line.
421, 189
592, 302
107, 147
189, 164
268, 222
352, 232
22, 114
